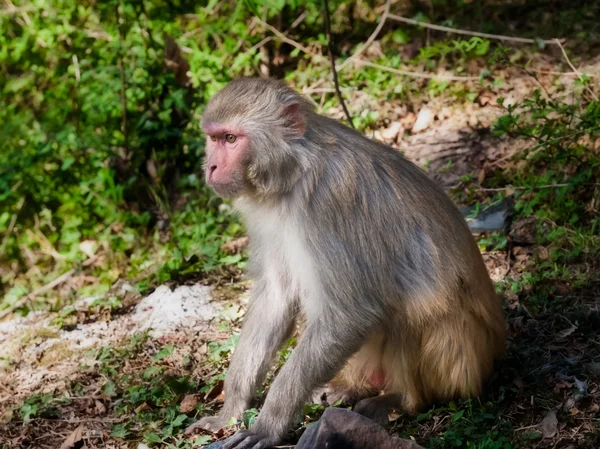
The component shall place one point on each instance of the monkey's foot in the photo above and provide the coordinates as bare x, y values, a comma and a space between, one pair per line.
246, 439
329, 395
211, 423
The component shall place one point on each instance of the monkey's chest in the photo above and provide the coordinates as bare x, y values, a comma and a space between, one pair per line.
294, 268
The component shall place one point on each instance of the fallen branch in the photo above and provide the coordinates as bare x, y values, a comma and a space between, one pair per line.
562, 49
366, 45
43, 289
544, 186
469, 33
285, 39
263, 42
371, 38
11, 225
416, 74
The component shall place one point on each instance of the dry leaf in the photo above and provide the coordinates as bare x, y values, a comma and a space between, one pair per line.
88, 247
143, 407
549, 425
235, 246
513, 300
75, 437
519, 383
188, 404
569, 404
100, 407
542, 253
565, 333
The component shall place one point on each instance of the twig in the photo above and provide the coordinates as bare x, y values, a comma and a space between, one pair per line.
545, 186
550, 72
415, 74
298, 21
284, 38
76, 66
371, 39
11, 225
21, 302
562, 49
332, 60
78, 420
123, 85
361, 50
266, 40
320, 90
43, 289
469, 33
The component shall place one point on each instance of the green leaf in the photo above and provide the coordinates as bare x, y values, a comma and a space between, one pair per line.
202, 440
456, 416
109, 388
152, 438
163, 353
152, 371
119, 431
67, 163
179, 420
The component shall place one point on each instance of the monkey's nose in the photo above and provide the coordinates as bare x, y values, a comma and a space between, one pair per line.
211, 170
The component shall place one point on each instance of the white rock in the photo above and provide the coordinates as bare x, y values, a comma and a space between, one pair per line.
164, 311
424, 120
392, 131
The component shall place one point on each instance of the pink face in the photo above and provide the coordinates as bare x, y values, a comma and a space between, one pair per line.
226, 150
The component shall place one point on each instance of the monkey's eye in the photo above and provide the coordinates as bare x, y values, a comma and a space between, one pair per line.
213, 138
230, 138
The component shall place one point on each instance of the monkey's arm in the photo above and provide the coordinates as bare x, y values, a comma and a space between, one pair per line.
268, 322
320, 354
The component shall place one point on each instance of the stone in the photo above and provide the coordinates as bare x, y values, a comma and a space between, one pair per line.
339, 428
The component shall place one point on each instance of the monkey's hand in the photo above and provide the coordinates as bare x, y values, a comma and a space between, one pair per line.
211, 423
249, 439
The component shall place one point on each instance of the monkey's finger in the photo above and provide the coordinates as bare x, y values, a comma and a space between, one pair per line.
234, 440
264, 444
249, 442
192, 428
203, 424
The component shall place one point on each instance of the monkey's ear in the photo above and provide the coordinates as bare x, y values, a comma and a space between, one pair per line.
295, 123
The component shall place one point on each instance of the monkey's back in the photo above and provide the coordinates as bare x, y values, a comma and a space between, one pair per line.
391, 231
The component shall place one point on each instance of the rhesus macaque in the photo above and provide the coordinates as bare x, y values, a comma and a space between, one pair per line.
354, 239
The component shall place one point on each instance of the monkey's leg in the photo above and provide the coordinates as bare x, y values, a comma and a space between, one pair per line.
268, 322
320, 354
355, 381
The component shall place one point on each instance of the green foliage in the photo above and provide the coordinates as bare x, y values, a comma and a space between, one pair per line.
559, 169
100, 139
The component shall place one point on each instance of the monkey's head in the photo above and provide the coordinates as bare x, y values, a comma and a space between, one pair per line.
252, 126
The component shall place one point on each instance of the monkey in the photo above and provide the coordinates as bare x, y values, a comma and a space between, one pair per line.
357, 242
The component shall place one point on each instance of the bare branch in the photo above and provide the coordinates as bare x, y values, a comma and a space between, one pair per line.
590, 91
469, 33
415, 74
284, 38
371, 39
332, 59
